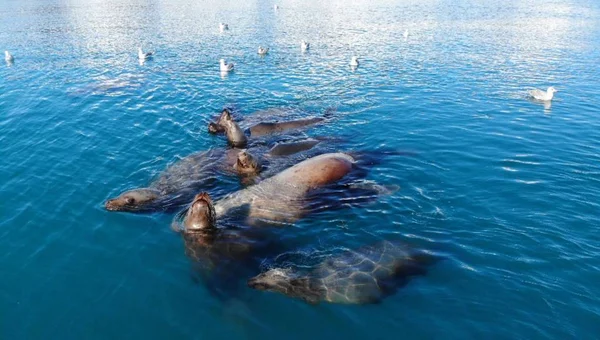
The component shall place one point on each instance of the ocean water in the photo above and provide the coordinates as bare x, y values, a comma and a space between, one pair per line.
507, 189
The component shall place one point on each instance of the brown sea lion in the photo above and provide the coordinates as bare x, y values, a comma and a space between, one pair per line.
280, 198
365, 275
175, 186
224, 256
267, 128
246, 164
235, 135
217, 127
289, 148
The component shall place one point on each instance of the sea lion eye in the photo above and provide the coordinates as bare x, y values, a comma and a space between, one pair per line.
130, 200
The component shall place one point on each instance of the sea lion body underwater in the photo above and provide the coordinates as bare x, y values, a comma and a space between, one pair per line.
246, 164
313, 185
366, 275
176, 186
267, 128
224, 256
262, 128
250, 167
280, 198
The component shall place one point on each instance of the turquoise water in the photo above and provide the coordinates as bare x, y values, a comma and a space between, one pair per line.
506, 188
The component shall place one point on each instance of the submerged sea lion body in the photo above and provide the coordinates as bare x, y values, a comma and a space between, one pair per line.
246, 163
259, 127
176, 186
366, 275
280, 198
267, 128
222, 256
290, 148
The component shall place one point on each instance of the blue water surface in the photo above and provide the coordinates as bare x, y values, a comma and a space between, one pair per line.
506, 188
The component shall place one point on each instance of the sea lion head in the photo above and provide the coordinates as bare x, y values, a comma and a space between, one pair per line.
286, 282
201, 214
246, 163
235, 135
225, 117
218, 126
273, 280
133, 200
215, 128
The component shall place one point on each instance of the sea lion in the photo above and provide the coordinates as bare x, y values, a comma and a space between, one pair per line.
217, 127
222, 255
289, 148
280, 198
267, 128
366, 275
235, 135
176, 186
247, 164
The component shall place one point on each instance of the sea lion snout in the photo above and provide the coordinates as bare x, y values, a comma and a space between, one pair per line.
246, 163
219, 127
260, 282
244, 159
270, 280
110, 205
201, 214
132, 200
215, 128
255, 283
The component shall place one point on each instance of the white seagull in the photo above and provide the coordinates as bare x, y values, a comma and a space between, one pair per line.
305, 45
262, 50
354, 61
223, 27
405, 35
8, 57
541, 95
144, 56
225, 67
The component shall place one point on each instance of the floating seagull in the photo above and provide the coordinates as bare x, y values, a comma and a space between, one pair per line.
262, 50
225, 67
541, 95
405, 35
354, 62
305, 45
8, 57
144, 56
223, 27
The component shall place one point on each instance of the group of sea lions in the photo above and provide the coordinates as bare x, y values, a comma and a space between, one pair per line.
231, 237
